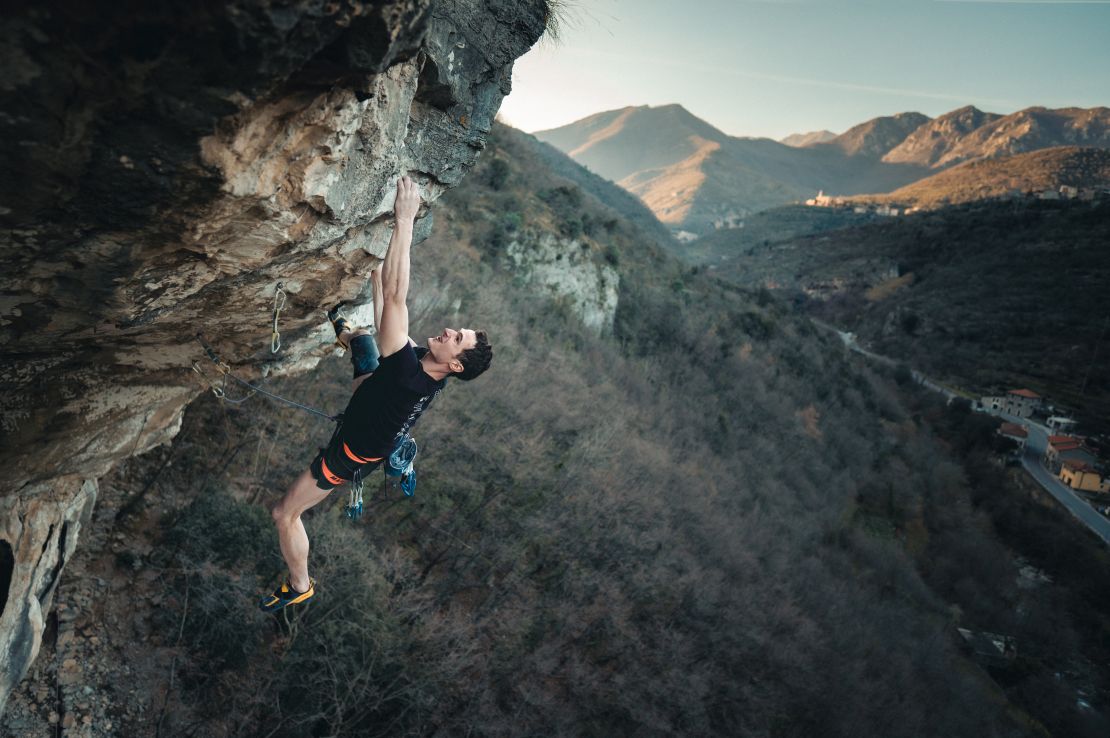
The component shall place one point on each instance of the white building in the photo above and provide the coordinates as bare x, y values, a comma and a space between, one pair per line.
1060, 423
1021, 403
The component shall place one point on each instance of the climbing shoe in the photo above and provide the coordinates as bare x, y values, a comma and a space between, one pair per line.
285, 595
339, 323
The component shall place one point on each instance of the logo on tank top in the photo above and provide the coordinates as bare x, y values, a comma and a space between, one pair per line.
417, 409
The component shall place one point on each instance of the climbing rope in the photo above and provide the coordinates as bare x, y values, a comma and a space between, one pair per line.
279, 304
220, 390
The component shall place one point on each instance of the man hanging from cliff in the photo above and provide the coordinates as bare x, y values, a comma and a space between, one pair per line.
390, 393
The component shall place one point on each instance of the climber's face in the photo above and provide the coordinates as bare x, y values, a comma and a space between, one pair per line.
447, 347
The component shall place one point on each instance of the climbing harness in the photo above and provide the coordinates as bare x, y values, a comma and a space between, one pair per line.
399, 472
353, 510
279, 304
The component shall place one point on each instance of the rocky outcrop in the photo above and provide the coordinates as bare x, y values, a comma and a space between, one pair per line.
567, 268
38, 533
166, 171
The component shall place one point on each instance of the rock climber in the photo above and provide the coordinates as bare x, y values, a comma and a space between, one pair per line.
394, 383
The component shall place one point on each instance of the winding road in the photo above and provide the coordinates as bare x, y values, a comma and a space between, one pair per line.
1035, 446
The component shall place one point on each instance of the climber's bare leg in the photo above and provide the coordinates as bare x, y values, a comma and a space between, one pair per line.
292, 537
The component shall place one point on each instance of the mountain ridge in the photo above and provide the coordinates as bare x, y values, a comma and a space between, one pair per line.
696, 178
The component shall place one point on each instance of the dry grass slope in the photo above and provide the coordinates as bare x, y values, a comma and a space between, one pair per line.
997, 178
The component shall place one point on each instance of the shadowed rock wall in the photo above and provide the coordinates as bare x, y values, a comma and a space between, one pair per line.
166, 167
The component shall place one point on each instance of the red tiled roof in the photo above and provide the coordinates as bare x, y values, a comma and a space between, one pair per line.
1013, 429
1025, 393
1067, 446
1061, 439
1077, 465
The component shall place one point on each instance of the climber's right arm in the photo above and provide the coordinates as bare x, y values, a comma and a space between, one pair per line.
393, 333
376, 291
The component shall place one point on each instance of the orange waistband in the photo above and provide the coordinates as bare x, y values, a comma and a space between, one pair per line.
333, 478
355, 457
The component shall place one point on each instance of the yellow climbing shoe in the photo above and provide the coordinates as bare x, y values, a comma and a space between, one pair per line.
285, 595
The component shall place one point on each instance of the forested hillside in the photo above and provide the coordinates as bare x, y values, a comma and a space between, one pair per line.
987, 296
706, 520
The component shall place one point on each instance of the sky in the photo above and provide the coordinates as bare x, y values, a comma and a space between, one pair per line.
776, 67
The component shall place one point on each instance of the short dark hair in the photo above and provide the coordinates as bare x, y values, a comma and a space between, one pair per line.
475, 360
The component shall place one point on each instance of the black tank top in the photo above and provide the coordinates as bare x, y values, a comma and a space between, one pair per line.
386, 405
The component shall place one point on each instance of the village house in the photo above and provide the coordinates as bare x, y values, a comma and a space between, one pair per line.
1021, 403
1066, 448
1069, 192
1015, 432
1060, 424
1049, 195
825, 201
1083, 476
992, 403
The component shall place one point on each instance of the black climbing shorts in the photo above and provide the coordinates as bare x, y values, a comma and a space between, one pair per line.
338, 464
364, 354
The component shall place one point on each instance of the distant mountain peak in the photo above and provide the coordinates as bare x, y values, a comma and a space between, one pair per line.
968, 134
617, 143
874, 138
932, 141
799, 140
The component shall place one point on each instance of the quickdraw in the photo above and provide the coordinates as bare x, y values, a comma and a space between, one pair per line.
279, 305
220, 390
225, 370
400, 470
354, 497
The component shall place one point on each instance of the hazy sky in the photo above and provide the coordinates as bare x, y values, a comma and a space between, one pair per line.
775, 67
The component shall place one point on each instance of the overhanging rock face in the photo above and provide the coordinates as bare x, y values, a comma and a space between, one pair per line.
166, 166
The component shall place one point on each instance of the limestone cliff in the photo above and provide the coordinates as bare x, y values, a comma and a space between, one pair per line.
166, 167
564, 268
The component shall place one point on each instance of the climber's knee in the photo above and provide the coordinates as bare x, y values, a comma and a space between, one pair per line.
364, 353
